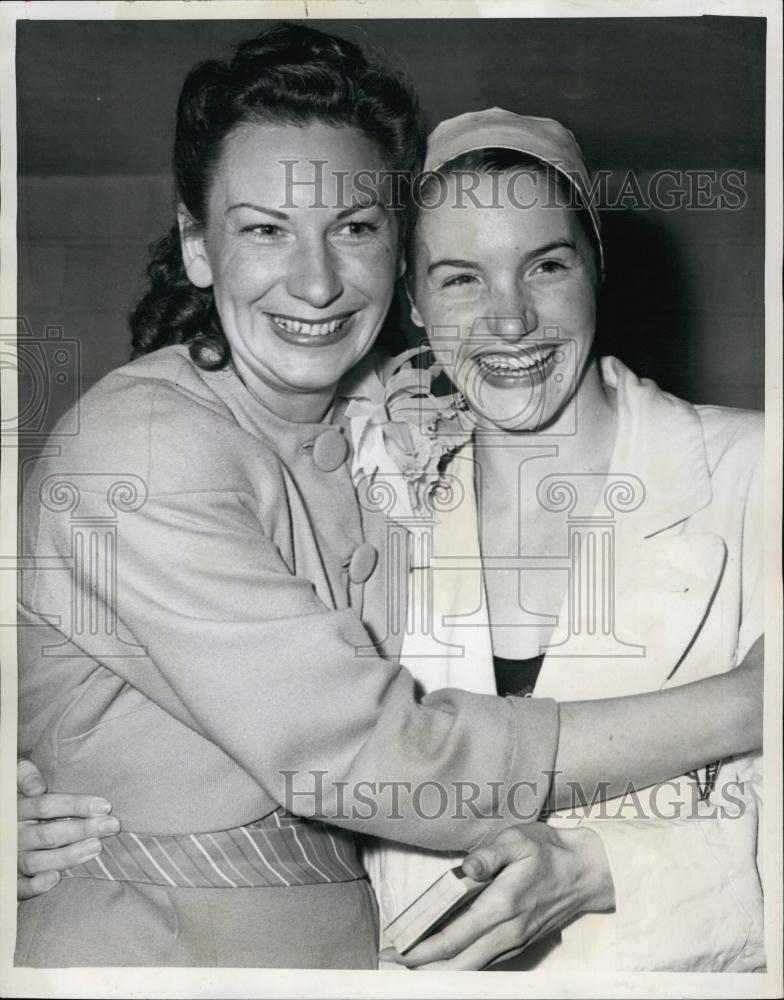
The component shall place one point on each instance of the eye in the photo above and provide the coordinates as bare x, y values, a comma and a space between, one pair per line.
549, 267
459, 279
358, 228
264, 230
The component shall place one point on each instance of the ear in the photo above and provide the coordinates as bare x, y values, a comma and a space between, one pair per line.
401, 265
416, 319
194, 250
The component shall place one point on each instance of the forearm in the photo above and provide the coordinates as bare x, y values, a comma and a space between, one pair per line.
642, 739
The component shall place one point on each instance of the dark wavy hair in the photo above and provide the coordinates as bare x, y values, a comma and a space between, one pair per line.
288, 74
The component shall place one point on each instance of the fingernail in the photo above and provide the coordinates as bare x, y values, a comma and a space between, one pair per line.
99, 807
392, 957
91, 849
49, 879
33, 786
109, 825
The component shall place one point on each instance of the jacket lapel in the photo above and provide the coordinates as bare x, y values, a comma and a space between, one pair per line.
663, 577
447, 643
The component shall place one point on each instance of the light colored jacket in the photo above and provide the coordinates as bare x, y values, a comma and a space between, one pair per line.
682, 514
191, 628
689, 589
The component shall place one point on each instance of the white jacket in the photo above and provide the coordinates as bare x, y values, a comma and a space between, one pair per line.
685, 521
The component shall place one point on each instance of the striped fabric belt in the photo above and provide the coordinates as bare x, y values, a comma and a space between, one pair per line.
279, 850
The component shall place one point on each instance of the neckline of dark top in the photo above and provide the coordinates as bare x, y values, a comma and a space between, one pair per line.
517, 677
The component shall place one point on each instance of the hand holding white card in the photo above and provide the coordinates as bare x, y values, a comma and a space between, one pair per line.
436, 903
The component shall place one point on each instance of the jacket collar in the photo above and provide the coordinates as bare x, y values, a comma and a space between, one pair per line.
660, 441
289, 439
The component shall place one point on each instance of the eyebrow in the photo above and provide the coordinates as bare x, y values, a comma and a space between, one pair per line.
258, 208
472, 265
275, 214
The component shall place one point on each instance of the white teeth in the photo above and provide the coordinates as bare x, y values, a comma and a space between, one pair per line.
513, 363
310, 329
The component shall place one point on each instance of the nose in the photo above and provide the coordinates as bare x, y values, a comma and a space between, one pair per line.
509, 317
313, 277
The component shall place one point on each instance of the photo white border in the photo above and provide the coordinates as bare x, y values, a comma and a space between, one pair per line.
207, 982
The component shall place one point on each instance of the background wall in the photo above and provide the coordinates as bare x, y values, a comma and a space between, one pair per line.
683, 301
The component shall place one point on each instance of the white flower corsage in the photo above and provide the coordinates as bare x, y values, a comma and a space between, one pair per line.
400, 432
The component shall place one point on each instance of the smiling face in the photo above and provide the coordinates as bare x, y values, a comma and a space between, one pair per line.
302, 275
507, 296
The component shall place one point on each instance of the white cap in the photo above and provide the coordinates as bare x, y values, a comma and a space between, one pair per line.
543, 138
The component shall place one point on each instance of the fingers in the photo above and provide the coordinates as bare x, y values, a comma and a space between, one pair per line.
33, 863
26, 888
57, 805
389, 960
68, 836
486, 861
468, 926
29, 780
501, 940
505, 956
61, 832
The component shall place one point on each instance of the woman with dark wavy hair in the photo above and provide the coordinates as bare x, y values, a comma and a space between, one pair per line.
289, 75
240, 547
219, 660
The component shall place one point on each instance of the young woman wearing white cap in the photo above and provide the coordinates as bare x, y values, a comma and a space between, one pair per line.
620, 532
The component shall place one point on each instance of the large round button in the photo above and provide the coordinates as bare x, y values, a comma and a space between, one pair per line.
362, 563
330, 451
